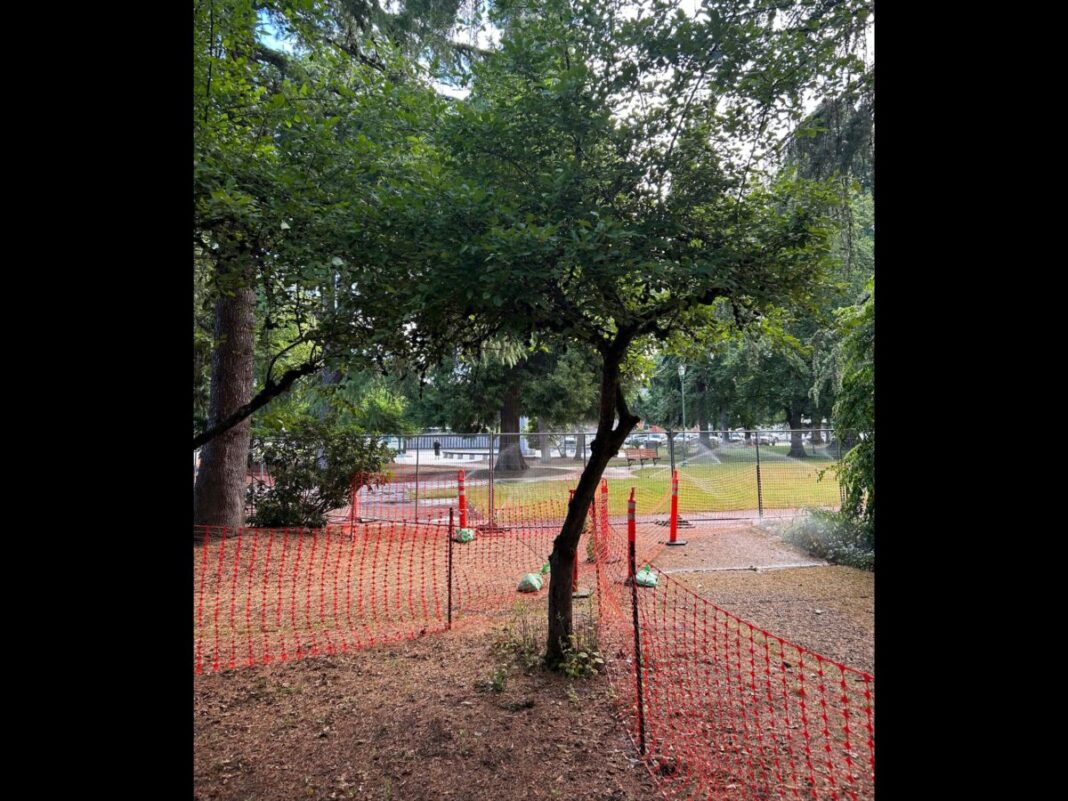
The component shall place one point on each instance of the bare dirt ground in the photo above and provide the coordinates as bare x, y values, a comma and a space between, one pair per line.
825, 608
425, 719
418, 720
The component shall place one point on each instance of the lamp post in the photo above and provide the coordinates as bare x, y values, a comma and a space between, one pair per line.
682, 385
711, 357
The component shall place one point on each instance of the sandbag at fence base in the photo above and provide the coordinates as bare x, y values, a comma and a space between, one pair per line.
646, 577
531, 582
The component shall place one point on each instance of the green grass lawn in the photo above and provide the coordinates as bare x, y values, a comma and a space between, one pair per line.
768, 453
728, 486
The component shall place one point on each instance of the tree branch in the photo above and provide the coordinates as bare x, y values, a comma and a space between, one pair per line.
270, 366
470, 50
261, 399
355, 53
279, 61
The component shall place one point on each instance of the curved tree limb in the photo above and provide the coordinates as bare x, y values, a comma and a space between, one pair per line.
271, 390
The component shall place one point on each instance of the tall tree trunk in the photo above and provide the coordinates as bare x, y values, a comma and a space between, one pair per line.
604, 446
580, 445
329, 376
703, 423
219, 495
543, 442
724, 433
797, 448
511, 456
817, 439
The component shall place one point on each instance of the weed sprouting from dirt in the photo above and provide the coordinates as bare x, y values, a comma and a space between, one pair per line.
583, 658
520, 640
496, 682
520, 643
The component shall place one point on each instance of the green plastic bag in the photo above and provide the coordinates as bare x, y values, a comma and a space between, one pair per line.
545, 569
531, 582
646, 577
463, 535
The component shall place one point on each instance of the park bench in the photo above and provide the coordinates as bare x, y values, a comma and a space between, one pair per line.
461, 454
641, 455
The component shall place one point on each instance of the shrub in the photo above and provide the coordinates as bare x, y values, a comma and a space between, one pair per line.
311, 466
837, 538
582, 659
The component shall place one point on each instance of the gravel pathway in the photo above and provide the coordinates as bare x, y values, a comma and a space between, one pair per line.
828, 609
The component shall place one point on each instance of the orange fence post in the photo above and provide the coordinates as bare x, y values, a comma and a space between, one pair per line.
674, 540
463, 499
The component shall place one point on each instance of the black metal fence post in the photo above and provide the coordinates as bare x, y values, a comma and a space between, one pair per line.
633, 570
449, 572
598, 537
760, 494
671, 448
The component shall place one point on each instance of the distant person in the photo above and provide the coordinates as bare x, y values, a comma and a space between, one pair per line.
437, 449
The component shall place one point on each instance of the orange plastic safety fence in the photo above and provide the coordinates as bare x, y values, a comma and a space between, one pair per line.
731, 710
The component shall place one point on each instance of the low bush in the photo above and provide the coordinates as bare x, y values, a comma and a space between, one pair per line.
311, 467
834, 537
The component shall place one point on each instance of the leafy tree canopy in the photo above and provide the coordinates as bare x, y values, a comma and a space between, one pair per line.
855, 409
608, 180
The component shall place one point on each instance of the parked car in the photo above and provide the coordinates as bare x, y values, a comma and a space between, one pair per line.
646, 441
768, 439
